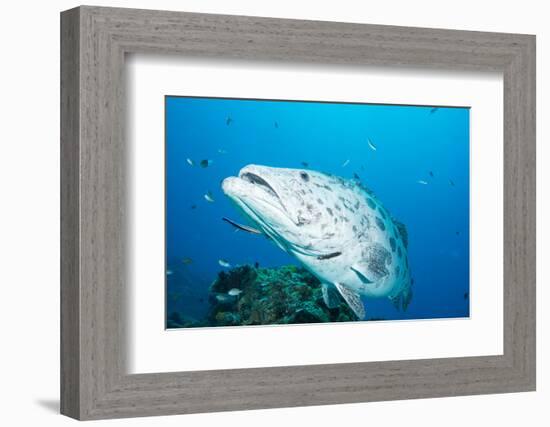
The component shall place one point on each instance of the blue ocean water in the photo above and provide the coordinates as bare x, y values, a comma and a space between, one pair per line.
413, 143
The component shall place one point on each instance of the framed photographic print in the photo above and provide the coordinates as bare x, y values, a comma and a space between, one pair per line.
272, 186
303, 176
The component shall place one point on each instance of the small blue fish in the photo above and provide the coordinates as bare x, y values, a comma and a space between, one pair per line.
228, 121
241, 226
224, 263
420, 181
209, 197
434, 110
371, 145
234, 292
345, 163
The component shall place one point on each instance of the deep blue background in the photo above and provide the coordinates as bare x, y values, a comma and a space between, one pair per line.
411, 141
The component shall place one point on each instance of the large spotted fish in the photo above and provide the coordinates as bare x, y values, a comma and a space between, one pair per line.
336, 228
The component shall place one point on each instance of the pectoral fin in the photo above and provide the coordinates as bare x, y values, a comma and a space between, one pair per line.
374, 265
330, 296
353, 299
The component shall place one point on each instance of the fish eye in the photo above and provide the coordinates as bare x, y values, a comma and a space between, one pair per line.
304, 176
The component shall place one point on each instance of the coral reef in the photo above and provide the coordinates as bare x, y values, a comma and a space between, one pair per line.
250, 295
268, 296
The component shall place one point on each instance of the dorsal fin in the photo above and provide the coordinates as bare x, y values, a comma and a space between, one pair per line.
402, 232
365, 188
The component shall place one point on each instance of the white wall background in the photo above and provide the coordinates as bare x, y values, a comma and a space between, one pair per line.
29, 212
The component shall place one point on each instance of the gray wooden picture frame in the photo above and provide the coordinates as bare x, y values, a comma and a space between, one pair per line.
94, 381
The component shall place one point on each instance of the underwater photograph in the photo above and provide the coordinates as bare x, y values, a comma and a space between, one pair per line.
295, 212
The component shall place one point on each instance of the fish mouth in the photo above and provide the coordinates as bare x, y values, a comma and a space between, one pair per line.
257, 180
251, 187
258, 198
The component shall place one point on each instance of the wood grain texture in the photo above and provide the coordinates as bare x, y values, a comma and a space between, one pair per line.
70, 297
94, 381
